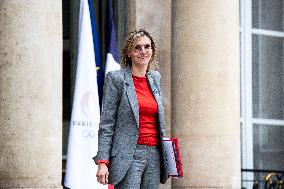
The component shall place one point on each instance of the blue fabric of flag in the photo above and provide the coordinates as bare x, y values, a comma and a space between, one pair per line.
100, 69
111, 33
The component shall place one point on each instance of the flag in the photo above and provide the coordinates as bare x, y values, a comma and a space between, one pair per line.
100, 70
112, 60
82, 145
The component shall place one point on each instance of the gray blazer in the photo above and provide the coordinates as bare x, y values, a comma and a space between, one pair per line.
118, 132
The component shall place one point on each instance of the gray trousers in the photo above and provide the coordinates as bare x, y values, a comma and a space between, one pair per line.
144, 171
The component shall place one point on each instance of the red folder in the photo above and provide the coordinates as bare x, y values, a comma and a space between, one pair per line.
171, 153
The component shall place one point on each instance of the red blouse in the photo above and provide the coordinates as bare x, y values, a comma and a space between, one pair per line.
148, 112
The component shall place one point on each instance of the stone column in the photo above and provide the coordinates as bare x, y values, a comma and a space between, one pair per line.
30, 93
205, 92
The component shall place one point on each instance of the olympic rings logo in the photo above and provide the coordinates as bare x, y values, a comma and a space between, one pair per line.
89, 134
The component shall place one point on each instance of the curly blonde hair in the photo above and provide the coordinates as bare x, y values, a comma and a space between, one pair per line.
129, 43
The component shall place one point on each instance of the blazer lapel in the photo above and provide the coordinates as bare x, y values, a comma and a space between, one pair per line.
131, 94
154, 88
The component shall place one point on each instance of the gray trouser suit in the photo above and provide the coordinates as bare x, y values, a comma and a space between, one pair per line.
119, 130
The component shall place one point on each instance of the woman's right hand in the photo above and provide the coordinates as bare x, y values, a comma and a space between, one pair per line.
102, 173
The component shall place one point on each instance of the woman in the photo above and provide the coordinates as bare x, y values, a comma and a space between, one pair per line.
132, 119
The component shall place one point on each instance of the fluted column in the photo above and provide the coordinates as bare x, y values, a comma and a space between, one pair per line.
205, 92
30, 93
